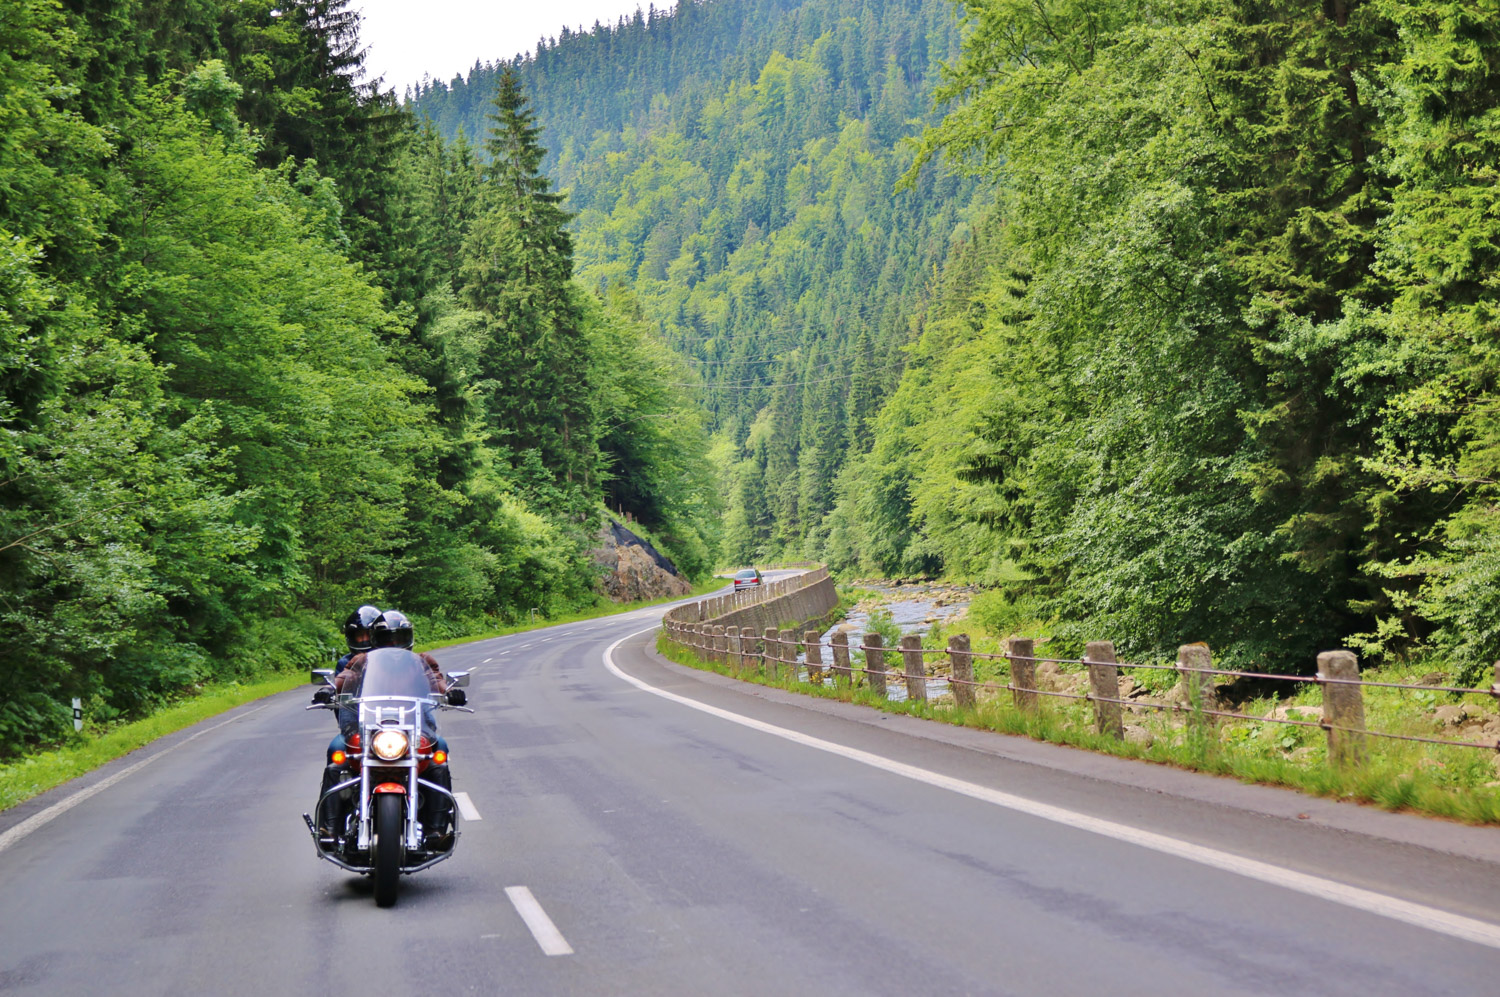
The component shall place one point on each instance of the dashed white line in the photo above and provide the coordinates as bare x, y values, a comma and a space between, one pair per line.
466, 807
542, 928
1420, 915
486, 661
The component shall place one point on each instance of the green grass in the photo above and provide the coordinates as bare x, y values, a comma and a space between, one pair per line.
1443, 782
21, 780
42, 770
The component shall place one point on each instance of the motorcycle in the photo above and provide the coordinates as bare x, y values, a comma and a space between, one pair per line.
377, 793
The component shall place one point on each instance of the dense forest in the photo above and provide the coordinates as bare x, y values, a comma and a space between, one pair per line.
270, 348
1166, 323
1221, 365
735, 164
1176, 323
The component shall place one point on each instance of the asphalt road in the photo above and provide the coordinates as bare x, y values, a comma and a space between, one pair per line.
756, 842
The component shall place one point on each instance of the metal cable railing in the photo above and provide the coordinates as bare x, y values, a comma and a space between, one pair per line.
755, 647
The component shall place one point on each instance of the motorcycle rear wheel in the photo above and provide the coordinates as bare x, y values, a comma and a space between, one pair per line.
390, 815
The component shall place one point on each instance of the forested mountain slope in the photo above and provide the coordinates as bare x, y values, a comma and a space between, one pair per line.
1218, 365
735, 163
1222, 368
268, 350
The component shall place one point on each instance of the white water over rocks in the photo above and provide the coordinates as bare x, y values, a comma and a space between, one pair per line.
915, 607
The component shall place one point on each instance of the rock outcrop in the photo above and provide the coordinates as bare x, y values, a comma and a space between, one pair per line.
634, 570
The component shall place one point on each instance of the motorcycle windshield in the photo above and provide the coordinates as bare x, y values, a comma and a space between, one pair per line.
393, 671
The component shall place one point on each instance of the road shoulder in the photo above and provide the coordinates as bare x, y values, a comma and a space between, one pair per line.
638, 656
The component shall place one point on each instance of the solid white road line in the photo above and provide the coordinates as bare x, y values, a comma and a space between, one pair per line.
1431, 918
466, 807
542, 928
62, 806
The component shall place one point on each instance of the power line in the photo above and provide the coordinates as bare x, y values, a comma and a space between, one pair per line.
715, 363
777, 384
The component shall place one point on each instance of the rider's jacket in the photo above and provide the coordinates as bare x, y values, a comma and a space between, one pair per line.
349, 680
349, 677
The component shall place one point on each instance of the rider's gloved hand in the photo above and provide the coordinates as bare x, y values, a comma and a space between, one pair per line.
457, 697
324, 695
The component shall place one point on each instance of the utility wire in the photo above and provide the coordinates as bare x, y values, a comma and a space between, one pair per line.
776, 384
727, 363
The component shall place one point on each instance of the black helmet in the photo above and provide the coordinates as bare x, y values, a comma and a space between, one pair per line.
393, 629
357, 628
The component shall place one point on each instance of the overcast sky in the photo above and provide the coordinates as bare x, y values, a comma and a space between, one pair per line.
442, 38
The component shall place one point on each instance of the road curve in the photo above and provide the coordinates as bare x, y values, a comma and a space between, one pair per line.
631, 843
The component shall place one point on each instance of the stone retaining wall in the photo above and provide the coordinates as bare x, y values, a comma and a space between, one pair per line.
799, 600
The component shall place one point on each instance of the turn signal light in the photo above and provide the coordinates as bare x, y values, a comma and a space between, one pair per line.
440, 758
339, 758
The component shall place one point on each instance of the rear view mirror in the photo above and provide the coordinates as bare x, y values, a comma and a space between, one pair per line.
458, 679
322, 676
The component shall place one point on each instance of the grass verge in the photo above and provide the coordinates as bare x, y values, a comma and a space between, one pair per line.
40, 772
1400, 781
36, 773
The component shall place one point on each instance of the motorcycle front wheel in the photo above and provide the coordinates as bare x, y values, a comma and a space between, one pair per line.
390, 815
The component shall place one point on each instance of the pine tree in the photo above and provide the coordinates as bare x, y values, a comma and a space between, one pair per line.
517, 273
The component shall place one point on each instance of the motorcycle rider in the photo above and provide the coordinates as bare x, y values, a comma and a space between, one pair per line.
393, 629
358, 640
357, 634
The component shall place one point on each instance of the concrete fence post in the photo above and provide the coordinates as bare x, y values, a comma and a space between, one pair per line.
732, 648
772, 651
1021, 652
789, 651
1195, 664
1104, 686
915, 668
750, 649
721, 646
841, 671
1343, 708
963, 671
814, 656
875, 662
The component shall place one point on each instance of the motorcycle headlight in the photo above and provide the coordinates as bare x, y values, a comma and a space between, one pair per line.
389, 745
